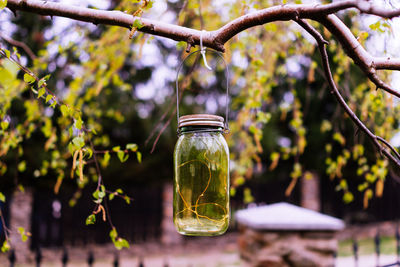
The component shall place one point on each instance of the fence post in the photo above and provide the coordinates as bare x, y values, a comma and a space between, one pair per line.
377, 246
38, 257
355, 251
65, 258
116, 260
141, 264
12, 258
90, 259
398, 243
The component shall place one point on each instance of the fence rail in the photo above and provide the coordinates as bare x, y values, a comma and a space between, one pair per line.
65, 259
377, 246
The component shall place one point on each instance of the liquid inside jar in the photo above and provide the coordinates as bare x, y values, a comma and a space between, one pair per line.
201, 184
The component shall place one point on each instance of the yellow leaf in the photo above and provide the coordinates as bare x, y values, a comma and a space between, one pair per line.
275, 159
290, 188
58, 185
80, 165
367, 196
74, 163
379, 188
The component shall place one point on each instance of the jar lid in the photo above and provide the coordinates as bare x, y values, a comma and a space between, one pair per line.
201, 120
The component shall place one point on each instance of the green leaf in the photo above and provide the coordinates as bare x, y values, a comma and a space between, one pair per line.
8, 54
96, 194
5, 247
232, 191
89, 152
91, 219
106, 159
339, 138
113, 234
122, 156
132, 147
348, 197
180, 45
28, 78
64, 110
72, 203
116, 148
247, 196
41, 82
21, 188
149, 5
79, 142
3, 4
78, 123
127, 200
139, 157
101, 194
24, 237
111, 196
121, 243
22, 166
48, 98
119, 191
41, 92
4, 125
2, 197
137, 24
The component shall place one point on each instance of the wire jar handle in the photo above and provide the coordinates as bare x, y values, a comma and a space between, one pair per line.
202, 51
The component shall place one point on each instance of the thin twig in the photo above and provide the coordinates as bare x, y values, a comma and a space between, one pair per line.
13, 42
389, 146
100, 183
5, 228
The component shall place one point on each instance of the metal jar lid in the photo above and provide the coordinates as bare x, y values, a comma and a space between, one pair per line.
201, 120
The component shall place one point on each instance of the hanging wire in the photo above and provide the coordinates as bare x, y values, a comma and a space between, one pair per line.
202, 51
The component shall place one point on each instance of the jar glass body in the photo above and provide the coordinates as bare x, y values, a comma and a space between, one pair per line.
201, 183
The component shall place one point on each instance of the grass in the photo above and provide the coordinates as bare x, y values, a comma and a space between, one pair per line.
367, 247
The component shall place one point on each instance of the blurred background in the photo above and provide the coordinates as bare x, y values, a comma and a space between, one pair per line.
289, 139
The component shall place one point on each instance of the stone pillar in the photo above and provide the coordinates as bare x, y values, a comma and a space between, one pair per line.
284, 235
310, 197
20, 216
169, 236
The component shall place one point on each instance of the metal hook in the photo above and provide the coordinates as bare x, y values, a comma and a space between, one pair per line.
203, 50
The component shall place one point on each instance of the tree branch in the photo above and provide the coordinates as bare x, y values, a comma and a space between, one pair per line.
213, 39
216, 39
13, 42
367, 63
325, 61
116, 18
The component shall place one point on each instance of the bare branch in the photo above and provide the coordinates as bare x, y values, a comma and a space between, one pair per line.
325, 61
13, 42
116, 18
389, 146
213, 39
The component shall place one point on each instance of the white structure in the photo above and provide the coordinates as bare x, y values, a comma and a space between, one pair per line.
284, 235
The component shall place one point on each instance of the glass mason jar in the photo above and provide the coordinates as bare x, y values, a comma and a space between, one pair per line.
201, 184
